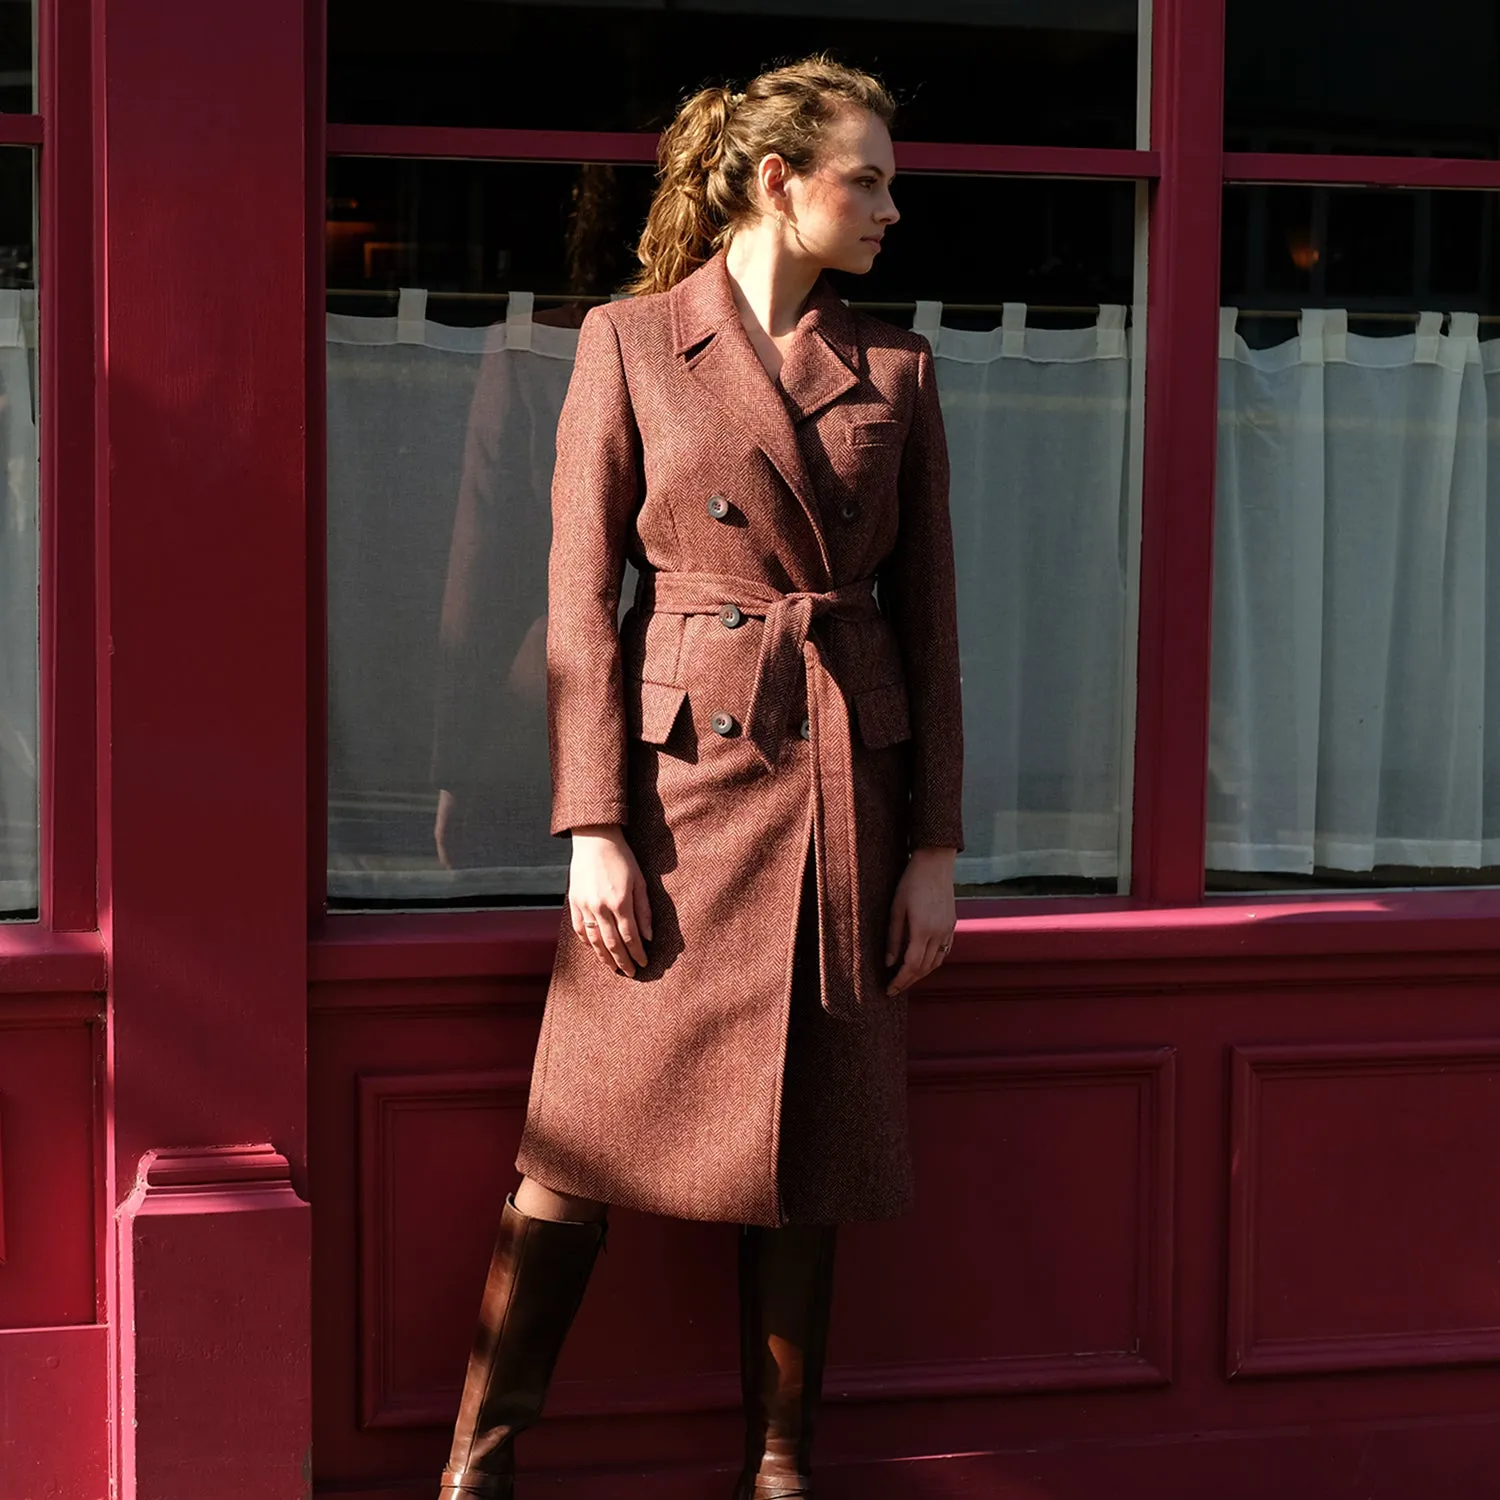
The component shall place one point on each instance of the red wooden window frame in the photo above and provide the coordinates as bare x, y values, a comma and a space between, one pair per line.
61, 952
1166, 915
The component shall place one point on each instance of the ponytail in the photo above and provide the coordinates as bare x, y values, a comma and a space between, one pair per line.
688, 216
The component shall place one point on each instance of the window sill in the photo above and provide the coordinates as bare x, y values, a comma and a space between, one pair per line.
1007, 946
35, 961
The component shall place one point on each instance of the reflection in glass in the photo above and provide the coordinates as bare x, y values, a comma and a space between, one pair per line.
1401, 78
1059, 72
18, 539
18, 56
1355, 735
442, 405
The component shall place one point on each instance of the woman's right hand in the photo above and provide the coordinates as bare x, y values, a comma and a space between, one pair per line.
607, 897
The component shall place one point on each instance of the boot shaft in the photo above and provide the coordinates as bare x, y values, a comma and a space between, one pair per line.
786, 1290
537, 1277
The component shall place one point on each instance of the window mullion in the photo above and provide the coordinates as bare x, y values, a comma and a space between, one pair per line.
1179, 450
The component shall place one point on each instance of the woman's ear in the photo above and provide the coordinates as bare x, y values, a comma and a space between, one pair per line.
771, 176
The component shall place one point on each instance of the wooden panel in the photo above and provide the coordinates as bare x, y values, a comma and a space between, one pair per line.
1072, 1288
54, 1417
1090, 1265
435, 1154
1020, 1164
436, 1160
1364, 1228
46, 1176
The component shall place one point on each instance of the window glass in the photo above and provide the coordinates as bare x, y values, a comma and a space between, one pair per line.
1363, 77
1061, 72
18, 539
1355, 734
17, 56
442, 405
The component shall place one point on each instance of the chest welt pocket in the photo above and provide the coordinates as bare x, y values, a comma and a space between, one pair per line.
874, 434
883, 715
651, 709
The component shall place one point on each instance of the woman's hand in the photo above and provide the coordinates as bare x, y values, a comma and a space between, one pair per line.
607, 897
922, 917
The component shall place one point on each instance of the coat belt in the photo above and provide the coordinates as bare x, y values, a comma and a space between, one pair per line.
786, 647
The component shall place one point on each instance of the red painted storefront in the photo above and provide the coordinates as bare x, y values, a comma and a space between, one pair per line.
1206, 1181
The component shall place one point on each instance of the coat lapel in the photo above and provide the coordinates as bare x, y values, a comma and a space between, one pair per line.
708, 333
824, 358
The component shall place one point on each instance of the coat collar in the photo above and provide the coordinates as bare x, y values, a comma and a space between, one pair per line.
821, 364
818, 370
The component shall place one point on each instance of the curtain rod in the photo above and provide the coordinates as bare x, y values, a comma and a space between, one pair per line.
1353, 312
558, 298
392, 293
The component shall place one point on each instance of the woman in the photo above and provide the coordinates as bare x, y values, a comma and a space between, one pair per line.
760, 769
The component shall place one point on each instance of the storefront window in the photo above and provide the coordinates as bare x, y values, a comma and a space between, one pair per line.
18, 538
442, 404
1355, 734
1055, 72
17, 56
1397, 78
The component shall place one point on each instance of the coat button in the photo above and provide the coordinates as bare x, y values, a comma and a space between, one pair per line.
850, 510
806, 730
718, 507
731, 617
722, 723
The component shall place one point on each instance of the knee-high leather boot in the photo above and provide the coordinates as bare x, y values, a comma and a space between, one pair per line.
786, 1286
537, 1278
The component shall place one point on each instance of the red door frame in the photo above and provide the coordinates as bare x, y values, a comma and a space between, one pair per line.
203, 733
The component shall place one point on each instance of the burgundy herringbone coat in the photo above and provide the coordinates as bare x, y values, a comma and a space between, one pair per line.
776, 724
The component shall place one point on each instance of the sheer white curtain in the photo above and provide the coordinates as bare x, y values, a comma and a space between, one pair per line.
440, 448
440, 451
1356, 695
1038, 424
18, 602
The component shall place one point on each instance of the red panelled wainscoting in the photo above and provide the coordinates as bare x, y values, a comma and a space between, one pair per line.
53, 1346
1188, 1226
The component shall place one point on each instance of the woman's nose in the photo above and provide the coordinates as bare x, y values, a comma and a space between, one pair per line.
890, 213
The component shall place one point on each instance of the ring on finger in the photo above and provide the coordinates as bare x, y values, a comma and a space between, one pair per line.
587, 923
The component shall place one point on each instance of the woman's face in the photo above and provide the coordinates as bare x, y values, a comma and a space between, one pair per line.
838, 211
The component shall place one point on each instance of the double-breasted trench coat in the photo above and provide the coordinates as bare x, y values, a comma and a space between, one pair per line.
775, 723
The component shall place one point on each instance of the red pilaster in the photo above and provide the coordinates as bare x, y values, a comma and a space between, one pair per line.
209, 1245
200, 139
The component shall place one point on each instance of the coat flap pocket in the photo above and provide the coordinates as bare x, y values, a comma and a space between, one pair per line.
654, 715
884, 718
874, 434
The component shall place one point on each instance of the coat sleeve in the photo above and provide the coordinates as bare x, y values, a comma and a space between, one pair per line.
920, 592
596, 491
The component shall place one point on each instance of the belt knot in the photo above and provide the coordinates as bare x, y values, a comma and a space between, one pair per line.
787, 651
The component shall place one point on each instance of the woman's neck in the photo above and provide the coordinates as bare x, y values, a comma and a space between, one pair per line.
769, 282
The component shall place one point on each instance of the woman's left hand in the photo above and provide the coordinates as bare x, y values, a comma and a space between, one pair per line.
922, 917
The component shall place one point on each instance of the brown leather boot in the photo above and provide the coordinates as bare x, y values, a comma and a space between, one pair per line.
537, 1278
786, 1285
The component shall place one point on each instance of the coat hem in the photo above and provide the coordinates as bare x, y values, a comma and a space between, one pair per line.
665, 1208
